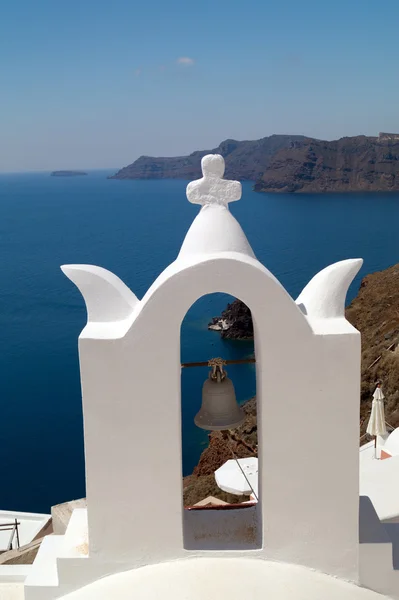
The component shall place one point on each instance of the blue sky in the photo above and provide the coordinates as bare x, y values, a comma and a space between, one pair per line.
95, 84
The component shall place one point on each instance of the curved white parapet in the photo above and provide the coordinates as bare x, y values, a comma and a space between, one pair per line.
107, 298
324, 296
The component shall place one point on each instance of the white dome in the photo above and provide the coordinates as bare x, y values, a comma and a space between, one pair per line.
392, 443
215, 230
222, 579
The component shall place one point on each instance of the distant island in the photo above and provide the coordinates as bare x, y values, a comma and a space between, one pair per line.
67, 173
290, 164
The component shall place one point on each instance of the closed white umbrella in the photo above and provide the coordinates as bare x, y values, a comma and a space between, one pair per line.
376, 425
238, 476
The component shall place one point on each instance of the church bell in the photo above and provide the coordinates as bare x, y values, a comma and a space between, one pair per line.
219, 409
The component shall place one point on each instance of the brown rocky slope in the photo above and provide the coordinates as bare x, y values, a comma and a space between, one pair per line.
375, 313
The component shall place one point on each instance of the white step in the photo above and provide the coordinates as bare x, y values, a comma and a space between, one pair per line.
75, 541
12, 591
14, 573
58, 556
392, 530
42, 581
61, 514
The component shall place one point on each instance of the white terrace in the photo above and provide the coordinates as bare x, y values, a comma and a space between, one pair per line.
307, 537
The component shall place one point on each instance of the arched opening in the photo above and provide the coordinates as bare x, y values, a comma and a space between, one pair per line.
220, 467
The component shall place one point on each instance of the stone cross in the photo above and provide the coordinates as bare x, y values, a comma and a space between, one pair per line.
212, 188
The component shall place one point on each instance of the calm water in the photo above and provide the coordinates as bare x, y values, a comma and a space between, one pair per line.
135, 229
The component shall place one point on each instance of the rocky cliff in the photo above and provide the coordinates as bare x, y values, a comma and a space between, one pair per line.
235, 323
282, 163
362, 164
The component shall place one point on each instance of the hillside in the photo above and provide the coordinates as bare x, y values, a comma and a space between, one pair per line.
375, 313
283, 163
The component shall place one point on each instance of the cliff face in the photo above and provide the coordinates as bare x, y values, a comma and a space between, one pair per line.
235, 322
244, 160
282, 163
349, 164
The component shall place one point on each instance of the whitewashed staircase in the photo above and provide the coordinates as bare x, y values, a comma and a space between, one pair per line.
49, 577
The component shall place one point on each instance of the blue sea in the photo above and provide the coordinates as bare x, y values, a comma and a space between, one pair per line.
135, 229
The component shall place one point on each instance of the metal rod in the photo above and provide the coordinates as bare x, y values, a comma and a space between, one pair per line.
9, 547
229, 439
227, 362
16, 529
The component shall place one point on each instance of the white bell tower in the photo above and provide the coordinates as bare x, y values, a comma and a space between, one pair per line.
307, 369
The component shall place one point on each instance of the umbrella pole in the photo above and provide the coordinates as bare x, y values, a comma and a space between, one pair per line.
375, 446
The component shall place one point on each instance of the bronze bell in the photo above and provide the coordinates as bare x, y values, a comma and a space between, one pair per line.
219, 409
